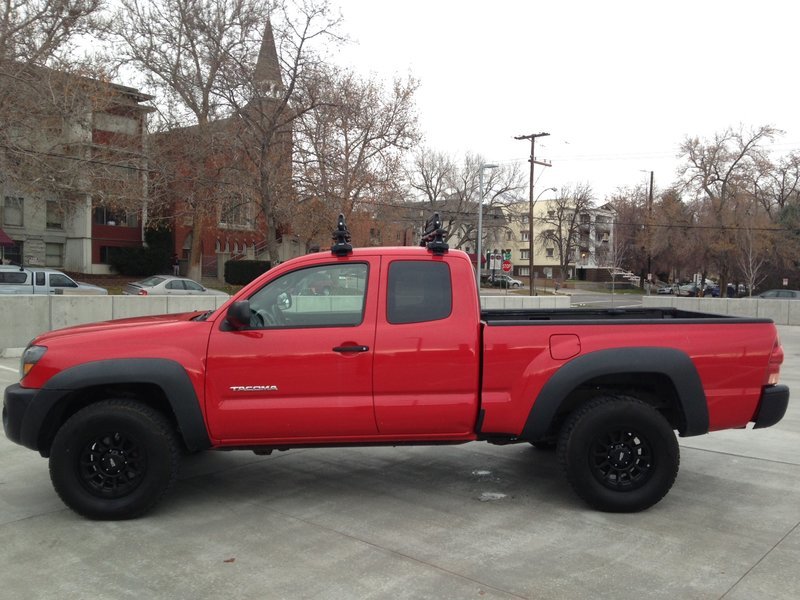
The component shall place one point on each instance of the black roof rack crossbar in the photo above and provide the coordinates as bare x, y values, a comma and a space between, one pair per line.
341, 239
434, 236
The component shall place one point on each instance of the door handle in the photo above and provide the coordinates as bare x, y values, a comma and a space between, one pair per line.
348, 349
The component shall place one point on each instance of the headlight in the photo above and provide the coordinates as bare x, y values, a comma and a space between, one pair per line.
30, 357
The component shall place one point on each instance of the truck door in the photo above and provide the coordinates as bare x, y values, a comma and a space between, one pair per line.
303, 370
426, 352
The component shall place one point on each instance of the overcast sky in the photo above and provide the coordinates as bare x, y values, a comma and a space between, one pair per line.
617, 84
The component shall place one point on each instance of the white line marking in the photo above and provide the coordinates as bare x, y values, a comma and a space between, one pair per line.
9, 369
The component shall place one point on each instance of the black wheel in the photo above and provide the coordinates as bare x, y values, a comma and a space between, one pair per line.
619, 454
114, 459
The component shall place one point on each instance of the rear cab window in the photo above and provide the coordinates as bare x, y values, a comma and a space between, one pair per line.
418, 291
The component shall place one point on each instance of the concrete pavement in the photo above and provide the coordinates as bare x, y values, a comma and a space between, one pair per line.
472, 521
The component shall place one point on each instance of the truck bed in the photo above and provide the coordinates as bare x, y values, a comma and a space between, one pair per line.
601, 316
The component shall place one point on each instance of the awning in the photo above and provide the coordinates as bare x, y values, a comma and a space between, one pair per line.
5, 240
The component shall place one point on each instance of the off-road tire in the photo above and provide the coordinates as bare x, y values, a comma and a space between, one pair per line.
114, 459
619, 454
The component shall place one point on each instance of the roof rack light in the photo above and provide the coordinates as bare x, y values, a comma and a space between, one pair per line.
434, 236
341, 239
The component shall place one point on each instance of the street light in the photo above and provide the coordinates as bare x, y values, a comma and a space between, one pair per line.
649, 224
480, 221
532, 290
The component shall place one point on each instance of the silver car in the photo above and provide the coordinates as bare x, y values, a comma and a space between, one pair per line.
168, 285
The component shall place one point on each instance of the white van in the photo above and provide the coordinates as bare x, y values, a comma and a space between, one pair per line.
36, 280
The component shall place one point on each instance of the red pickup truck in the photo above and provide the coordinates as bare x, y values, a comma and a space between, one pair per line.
398, 353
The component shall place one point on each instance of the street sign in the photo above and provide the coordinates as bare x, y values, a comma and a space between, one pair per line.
507, 266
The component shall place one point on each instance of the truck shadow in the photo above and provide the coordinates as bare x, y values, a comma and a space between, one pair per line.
472, 474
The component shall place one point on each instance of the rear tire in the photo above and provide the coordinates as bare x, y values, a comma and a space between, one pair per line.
619, 454
114, 459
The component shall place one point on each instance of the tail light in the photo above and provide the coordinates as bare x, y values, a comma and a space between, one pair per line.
142, 293
774, 364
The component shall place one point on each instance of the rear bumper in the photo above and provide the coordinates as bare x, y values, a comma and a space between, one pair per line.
772, 406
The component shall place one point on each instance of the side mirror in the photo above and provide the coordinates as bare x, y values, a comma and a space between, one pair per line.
284, 301
239, 314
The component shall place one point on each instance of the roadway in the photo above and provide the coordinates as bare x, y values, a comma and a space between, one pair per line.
471, 521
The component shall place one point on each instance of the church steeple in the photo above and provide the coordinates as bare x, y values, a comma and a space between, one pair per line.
267, 74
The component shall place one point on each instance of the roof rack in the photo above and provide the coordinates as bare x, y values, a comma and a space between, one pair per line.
434, 235
341, 239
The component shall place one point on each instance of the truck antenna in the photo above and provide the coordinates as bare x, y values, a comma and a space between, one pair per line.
341, 239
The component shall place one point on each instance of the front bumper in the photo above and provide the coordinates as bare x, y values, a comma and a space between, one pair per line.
772, 406
17, 415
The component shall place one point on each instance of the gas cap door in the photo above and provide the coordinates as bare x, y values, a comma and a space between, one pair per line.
564, 346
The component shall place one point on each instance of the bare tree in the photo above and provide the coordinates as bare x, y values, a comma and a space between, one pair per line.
270, 103
185, 48
560, 229
720, 172
349, 147
42, 32
48, 95
453, 190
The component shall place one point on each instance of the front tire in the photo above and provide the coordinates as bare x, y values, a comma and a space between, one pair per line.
114, 459
619, 454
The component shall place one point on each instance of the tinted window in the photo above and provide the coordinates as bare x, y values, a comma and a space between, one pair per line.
175, 285
13, 277
325, 296
59, 280
418, 291
191, 285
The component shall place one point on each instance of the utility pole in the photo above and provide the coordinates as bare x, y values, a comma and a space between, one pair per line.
532, 137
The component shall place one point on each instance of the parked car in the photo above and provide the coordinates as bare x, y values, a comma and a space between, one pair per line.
666, 289
40, 280
168, 285
409, 358
693, 290
506, 281
780, 294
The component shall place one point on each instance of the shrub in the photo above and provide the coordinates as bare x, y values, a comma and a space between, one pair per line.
147, 260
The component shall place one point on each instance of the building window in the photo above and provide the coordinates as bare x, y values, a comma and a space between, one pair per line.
548, 272
107, 216
235, 212
549, 252
12, 255
53, 255
524, 271
524, 219
524, 254
509, 236
12, 211
55, 215
526, 236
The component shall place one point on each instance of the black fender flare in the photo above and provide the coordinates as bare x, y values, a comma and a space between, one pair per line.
168, 375
674, 364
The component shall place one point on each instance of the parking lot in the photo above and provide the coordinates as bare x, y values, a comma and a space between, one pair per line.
471, 521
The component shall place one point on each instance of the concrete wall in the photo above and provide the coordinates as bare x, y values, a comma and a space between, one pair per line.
783, 312
24, 317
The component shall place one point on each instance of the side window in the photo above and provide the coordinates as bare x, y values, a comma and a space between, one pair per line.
59, 280
191, 285
418, 291
325, 296
40, 278
175, 285
13, 277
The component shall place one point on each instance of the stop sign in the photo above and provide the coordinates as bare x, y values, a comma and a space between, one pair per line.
506, 266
